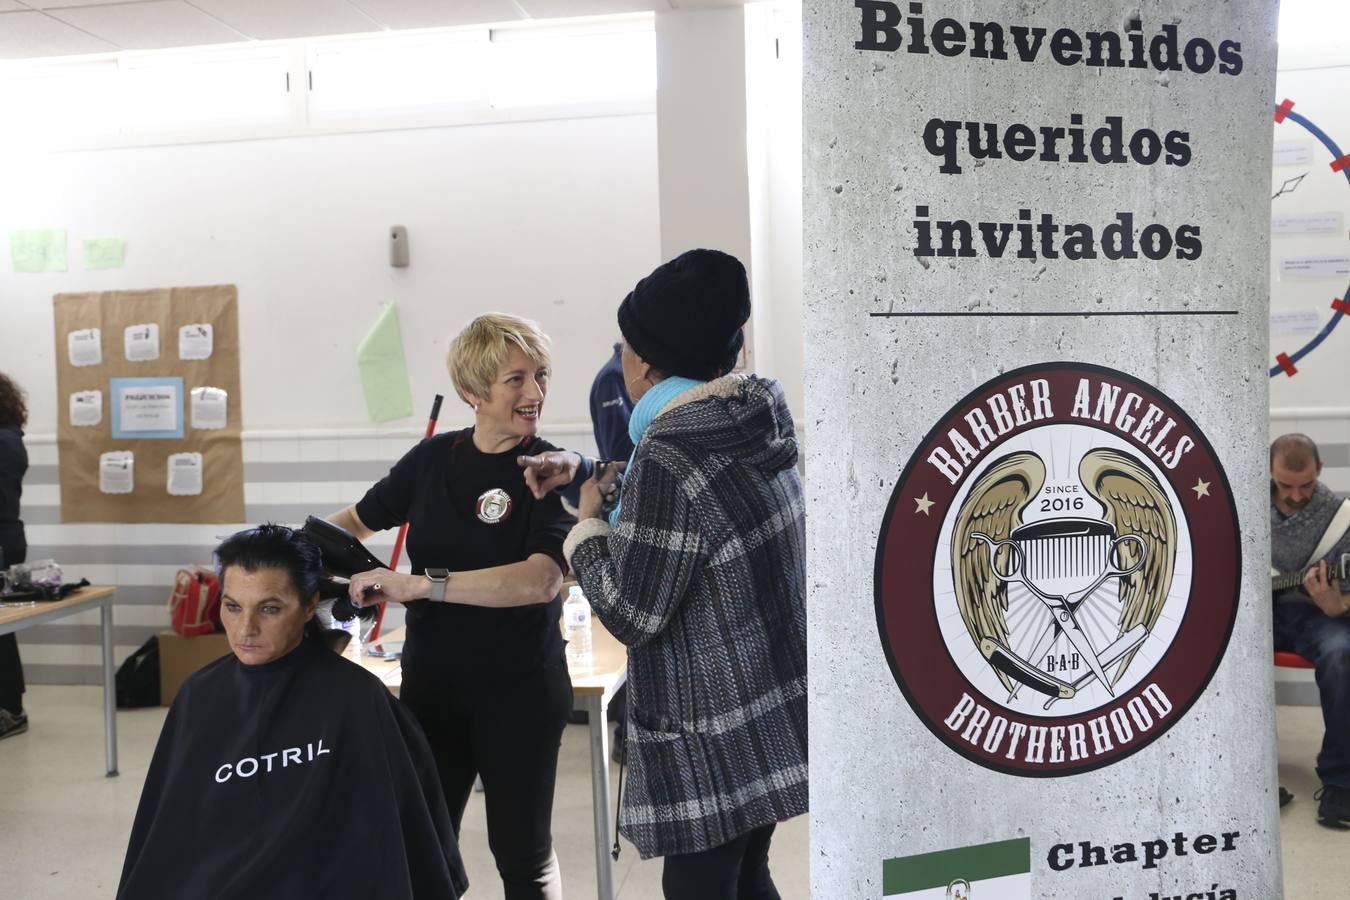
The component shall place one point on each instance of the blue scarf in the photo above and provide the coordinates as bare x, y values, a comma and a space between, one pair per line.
646, 411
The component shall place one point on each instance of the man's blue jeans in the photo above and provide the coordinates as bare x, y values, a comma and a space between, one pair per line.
1324, 642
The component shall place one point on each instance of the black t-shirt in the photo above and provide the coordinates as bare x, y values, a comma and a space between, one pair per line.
469, 510
13, 465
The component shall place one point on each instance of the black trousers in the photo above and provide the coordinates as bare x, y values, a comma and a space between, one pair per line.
1325, 642
508, 732
11, 668
737, 870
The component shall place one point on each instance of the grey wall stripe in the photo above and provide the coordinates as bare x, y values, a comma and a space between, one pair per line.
291, 472
141, 595
1288, 694
369, 470
61, 674
42, 475
288, 513
40, 515
126, 554
1297, 693
1336, 456
58, 633
282, 513
70, 555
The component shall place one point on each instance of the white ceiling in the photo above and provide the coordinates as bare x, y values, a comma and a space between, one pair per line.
32, 28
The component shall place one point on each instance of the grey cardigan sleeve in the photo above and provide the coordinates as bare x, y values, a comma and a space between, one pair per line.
636, 575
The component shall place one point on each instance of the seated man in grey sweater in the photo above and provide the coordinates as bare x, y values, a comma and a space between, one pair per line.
1311, 619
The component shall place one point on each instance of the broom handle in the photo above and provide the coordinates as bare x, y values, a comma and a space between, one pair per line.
403, 529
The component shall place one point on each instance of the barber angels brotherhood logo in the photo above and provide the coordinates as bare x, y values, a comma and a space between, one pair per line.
1058, 570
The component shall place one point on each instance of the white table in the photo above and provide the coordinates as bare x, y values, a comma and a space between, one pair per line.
15, 617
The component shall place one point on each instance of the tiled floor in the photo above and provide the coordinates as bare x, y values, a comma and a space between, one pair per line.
63, 826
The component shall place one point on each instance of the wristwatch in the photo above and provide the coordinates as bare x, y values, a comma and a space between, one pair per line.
439, 578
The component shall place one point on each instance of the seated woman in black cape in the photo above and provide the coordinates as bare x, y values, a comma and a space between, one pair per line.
283, 770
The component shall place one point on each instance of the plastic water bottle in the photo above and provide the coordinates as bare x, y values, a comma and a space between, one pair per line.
577, 622
353, 628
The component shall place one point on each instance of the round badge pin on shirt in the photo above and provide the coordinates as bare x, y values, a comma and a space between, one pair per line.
494, 506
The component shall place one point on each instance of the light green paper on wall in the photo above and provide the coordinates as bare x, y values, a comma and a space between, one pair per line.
38, 250
104, 253
384, 373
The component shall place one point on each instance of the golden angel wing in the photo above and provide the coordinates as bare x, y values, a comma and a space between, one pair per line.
993, 507
1136, 505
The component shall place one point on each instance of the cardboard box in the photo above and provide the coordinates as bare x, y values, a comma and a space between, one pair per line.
180, 656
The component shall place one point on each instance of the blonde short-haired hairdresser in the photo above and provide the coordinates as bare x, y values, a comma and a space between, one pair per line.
483, 666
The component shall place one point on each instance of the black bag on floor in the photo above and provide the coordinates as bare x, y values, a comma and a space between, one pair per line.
138, 677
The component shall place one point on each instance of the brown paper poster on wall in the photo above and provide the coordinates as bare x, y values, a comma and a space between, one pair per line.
206, 356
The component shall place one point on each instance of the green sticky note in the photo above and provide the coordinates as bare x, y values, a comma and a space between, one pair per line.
384, 373
104, 253
38, 250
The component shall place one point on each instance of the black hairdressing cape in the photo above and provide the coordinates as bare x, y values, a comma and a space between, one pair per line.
300, 778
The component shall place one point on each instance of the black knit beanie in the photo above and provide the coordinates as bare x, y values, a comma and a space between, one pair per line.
685, 317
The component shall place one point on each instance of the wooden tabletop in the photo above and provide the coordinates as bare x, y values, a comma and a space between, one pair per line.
12, 612
609, 663
387, 670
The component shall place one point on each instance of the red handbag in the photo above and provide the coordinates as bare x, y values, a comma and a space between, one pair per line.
194, 606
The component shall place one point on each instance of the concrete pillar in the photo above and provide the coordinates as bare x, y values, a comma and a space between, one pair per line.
1035, 293
774, 114
701, 135
700, 124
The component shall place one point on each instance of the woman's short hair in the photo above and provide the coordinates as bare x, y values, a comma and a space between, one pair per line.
13, 411
478, 352
274, 547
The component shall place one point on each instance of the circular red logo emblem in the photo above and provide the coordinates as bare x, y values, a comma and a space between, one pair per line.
1058, 570
493, 506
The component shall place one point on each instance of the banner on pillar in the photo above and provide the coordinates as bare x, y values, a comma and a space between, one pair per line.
1036, 269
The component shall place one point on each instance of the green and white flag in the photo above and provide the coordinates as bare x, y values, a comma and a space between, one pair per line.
997, 871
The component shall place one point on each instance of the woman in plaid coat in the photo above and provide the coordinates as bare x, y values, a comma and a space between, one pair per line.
700, 571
